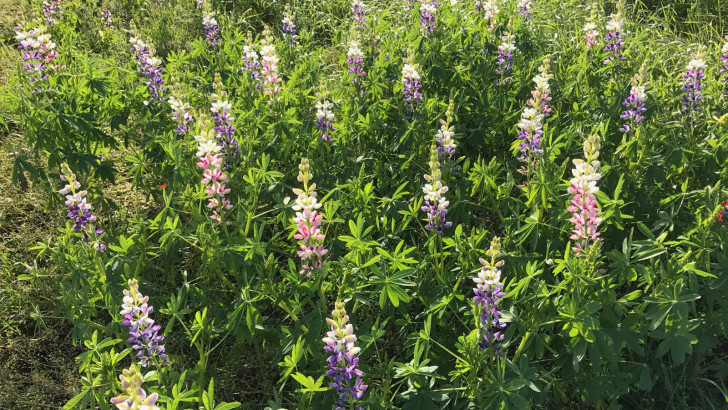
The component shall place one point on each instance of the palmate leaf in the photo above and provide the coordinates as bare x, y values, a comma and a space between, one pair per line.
391, 287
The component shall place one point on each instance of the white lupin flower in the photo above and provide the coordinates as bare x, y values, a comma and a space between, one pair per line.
725, 48
697, 64
354, 50
221, 106
410, 70
616, 24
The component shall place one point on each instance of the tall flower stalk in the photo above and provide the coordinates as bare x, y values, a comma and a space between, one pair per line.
212, 30
524, 10
340, 342
584, 207
289, 28
357, 9
532, 119
134, 397
445, 142
271, 79
324, 116
724, 67
614, 40
106, 18
79, 210
51, 10
308, 222
213, 176
591, 31
428, 15
693, 86
180, 113
39, 53
635, 103
488, 293
150, 66
251, 60
490, 11
144, 334
411, 87
435, 203
504, 64
355, 61
223, 119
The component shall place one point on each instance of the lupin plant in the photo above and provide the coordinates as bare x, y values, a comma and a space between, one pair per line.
504, 65
355, 61
584, 207
357, 9
488, 293
289, 28
635, 103
693, 86
428, 15
346, 377
39, 53
269, 71
106, 18
445, 143
134, 397
724, 67
144, 334
213, 178
324, 115
411, 86
308, 222
212, 30
84, 221
614, 40
180, 112
435, 203
591, 31
150, 66
490, 11
251, 60
524, 10
224, 127
532, 119
51, 10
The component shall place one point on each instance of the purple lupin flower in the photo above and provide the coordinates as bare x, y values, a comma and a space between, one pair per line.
614, 40
524, 10
144, 334
38, 53
694, 73
505, 57
289, 28
200, 4
106, 18
724, 68
357, 9
445, 143
150, 66
80, 210
51, 10
428, 14
212, 31
342, 363
488, 293
411, 88
532, 118
325, 117
355, 60
435, 202
224, 127
251, 61
490, 11
635, 103
181, 114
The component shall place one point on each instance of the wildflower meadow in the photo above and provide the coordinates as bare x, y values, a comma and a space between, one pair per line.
363, 204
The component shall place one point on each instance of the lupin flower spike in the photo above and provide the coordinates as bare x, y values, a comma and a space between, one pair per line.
584, 207
532, 118
357, 9
355, 60
212, 30
38, 53
106, 18
144, 334
251, 59
271, 78
505, 56
524, 10
445, 143
289, 28
411, 86
635, 103
180, 111
51, 10
308, 222
151, 67
343, 361
324, 115
694, 74
435, 202
591, 32
134, 397
80, 210
428, 14
488, 293
724, 67
614, 40
213, 177
490, 11
221, 112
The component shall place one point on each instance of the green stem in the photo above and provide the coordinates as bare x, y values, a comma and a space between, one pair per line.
521, 346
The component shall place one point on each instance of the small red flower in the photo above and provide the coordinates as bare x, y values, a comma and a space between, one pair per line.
164, 185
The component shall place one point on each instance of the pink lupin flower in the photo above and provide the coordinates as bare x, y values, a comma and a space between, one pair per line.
584, 207
308, 221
